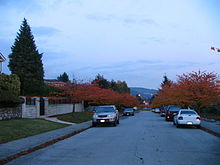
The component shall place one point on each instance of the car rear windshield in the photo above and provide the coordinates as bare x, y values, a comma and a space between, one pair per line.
104, 109
188, 112
128, 110
174, 108
165, 107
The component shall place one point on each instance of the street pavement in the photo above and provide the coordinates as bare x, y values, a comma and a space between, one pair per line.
17, 146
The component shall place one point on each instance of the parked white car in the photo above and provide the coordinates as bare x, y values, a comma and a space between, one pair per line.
187, 117
157, 110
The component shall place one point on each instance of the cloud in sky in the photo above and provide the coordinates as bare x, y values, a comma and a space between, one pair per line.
135, 41
96, 17
130, 20
42, 31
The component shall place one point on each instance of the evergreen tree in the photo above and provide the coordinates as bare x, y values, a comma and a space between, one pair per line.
102, 82
119, 86
25, 61
166, 81
63, 77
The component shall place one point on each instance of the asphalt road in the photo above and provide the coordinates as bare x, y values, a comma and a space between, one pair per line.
143, 139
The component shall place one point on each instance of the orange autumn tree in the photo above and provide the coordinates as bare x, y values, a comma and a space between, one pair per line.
194, 90
94, 95
198, 89
164, 94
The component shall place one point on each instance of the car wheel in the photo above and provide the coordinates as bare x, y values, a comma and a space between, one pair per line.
115, 123
94, 124
177, 125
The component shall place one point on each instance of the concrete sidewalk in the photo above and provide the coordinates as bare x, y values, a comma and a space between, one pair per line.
21, 145
54, 119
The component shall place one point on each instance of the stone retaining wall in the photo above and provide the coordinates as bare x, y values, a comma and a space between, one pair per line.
10, 113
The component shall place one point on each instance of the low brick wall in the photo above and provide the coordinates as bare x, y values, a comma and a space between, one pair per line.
10, 113
79, 108
57, 109
30, 111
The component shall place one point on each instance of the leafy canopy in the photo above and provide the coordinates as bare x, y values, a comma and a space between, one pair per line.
195, 90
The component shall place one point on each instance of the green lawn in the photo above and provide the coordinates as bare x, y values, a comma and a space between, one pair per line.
76, 117
19, 128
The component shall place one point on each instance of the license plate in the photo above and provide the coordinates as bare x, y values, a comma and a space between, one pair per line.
189, 123
102, 121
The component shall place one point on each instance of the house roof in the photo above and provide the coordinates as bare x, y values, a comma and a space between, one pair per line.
51, 80
54, 82
2, 58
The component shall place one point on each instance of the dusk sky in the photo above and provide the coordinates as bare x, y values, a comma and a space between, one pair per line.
136, 41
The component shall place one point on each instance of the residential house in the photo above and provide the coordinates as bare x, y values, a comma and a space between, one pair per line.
54, 82
218, 83
2, 59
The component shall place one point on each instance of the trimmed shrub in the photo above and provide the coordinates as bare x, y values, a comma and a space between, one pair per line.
9, 90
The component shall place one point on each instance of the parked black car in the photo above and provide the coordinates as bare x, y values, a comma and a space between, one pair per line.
128, 112
163, 110
170, 111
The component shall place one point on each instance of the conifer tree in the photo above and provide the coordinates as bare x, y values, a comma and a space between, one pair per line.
25, 61
166, 82
63, 77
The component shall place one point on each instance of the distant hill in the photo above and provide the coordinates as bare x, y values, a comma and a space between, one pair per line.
145, 93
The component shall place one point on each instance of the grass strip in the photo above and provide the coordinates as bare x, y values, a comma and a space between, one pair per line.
76, 117
14, 129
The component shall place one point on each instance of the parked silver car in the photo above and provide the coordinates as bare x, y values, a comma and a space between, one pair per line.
107, 114
187, 117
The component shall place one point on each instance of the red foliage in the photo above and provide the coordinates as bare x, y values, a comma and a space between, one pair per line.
96, 96
196, 89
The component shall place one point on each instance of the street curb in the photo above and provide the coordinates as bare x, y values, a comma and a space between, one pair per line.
43, 145
209, 120
210, 131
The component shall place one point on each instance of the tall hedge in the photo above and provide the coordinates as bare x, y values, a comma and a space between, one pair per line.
9, 90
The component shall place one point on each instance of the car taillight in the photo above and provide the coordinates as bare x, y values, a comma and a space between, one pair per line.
168, 113
180, 118
198, 118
